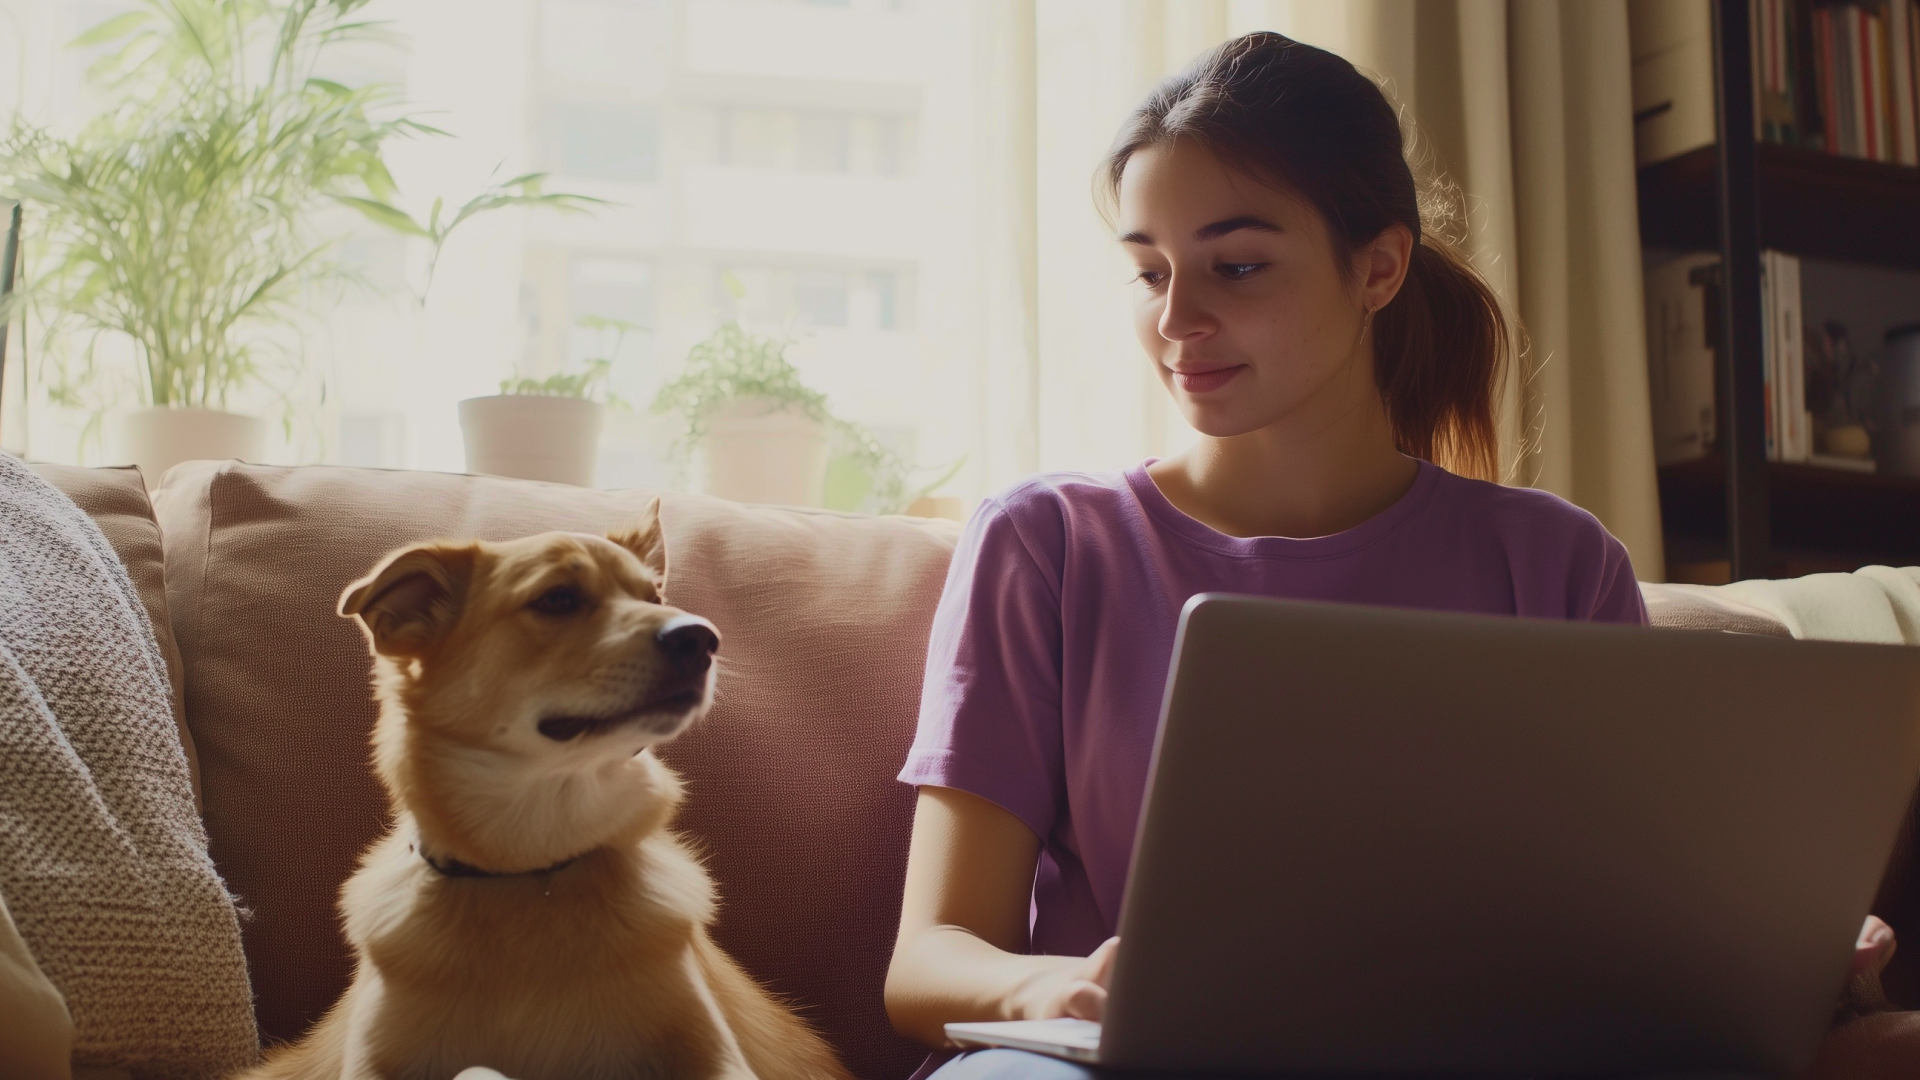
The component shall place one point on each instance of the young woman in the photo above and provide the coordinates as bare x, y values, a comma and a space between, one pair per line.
1341, 364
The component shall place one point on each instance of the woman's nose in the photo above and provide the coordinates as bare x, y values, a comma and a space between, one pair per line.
1183, 315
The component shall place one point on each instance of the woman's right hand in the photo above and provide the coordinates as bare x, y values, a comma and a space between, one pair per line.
1077, 988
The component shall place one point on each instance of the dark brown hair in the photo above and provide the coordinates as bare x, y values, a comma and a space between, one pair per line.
1305, 120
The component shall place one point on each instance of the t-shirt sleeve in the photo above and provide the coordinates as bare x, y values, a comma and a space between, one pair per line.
990, 701
1615, 594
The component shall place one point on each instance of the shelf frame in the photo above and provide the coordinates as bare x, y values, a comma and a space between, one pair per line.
1743, 436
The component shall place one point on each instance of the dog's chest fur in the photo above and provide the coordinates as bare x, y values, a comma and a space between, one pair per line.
536, 975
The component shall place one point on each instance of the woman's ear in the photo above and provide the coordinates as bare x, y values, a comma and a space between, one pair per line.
409, 603
644, 538
1384, 263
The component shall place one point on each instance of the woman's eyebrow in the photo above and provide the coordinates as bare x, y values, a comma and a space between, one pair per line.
1235, 224
1213, 231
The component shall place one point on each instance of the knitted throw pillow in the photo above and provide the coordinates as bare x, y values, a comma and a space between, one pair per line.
103, 860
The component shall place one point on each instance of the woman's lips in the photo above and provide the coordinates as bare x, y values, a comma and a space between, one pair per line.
1200, 382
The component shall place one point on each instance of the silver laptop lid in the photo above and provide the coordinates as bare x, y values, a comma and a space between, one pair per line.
1389, 840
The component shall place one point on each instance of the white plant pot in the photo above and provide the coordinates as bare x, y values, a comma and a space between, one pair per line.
158, 439
758, 451
533, 437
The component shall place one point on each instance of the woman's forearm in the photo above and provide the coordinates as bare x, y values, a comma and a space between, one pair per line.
947, 974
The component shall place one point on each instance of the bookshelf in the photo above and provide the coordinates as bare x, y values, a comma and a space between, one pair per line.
1734, 514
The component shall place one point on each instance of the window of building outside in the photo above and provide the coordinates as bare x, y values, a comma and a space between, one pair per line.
838, 158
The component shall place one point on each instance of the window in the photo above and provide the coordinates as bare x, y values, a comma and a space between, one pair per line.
822, 142
820, 297
805, 140
884, 285
840, 159
603, 142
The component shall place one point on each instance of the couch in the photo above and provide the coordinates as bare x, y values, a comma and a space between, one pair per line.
790, 781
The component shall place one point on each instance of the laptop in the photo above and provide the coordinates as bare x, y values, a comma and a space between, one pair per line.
1384, 841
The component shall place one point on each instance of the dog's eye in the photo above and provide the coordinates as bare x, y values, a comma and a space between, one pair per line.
559, 600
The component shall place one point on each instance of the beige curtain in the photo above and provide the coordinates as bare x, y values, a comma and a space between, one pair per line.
1525, 104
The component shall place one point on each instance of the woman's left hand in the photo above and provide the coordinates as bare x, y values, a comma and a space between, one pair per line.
1871, 1039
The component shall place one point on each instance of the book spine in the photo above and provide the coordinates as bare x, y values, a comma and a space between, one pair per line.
1798, 442
1899, 35
1863, 77
1844, 87
1881, 88
1756, 51
1823, 79
1769, 386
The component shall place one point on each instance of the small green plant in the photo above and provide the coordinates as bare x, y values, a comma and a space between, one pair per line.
735, 364
590, 382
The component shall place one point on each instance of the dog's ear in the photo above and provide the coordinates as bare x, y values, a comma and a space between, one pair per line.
643, 538
412, 598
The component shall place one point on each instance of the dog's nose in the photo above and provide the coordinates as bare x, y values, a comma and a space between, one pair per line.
688, 642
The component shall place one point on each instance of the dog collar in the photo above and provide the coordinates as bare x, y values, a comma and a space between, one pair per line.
455, 868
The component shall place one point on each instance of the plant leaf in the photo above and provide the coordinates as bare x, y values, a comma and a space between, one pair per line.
385, 214
117, 27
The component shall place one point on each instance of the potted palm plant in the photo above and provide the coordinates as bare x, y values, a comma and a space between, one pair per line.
186, 219
182, 218
546, 428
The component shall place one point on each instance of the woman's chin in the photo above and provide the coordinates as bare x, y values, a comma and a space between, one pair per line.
1218, 419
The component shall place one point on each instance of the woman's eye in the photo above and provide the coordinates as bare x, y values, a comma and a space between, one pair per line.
1150, 278
559, 600
1236, 271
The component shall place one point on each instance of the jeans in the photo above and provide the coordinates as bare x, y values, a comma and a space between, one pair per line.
1021, 1065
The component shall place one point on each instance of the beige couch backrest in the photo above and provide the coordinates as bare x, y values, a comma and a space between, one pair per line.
791, 790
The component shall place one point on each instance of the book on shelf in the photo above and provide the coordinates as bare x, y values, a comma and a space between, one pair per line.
1783, 348
1683, 299
1682, 304
1843, 78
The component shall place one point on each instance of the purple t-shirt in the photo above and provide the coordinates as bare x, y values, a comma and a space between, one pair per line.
1051, 644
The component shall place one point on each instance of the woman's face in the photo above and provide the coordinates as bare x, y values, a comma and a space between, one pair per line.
1241, 305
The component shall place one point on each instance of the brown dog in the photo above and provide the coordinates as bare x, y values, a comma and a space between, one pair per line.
530, 910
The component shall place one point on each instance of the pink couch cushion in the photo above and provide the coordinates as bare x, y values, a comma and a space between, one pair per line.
791, 791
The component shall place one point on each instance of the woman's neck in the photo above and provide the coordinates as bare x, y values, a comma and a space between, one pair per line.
1285, 481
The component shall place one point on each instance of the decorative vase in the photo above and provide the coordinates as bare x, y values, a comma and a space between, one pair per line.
758, 450
157, 439
533, 437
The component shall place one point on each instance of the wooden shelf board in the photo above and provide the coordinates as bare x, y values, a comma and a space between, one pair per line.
1811, 204
1822, 519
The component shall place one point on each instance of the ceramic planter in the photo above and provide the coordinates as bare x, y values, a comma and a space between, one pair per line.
761, 451
158, 439
533, 437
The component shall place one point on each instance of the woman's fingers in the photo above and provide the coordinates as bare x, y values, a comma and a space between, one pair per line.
1873, 948
1085, 1000
1102, 960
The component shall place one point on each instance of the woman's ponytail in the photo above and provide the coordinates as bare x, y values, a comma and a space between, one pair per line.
1440, 351
1308, 121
